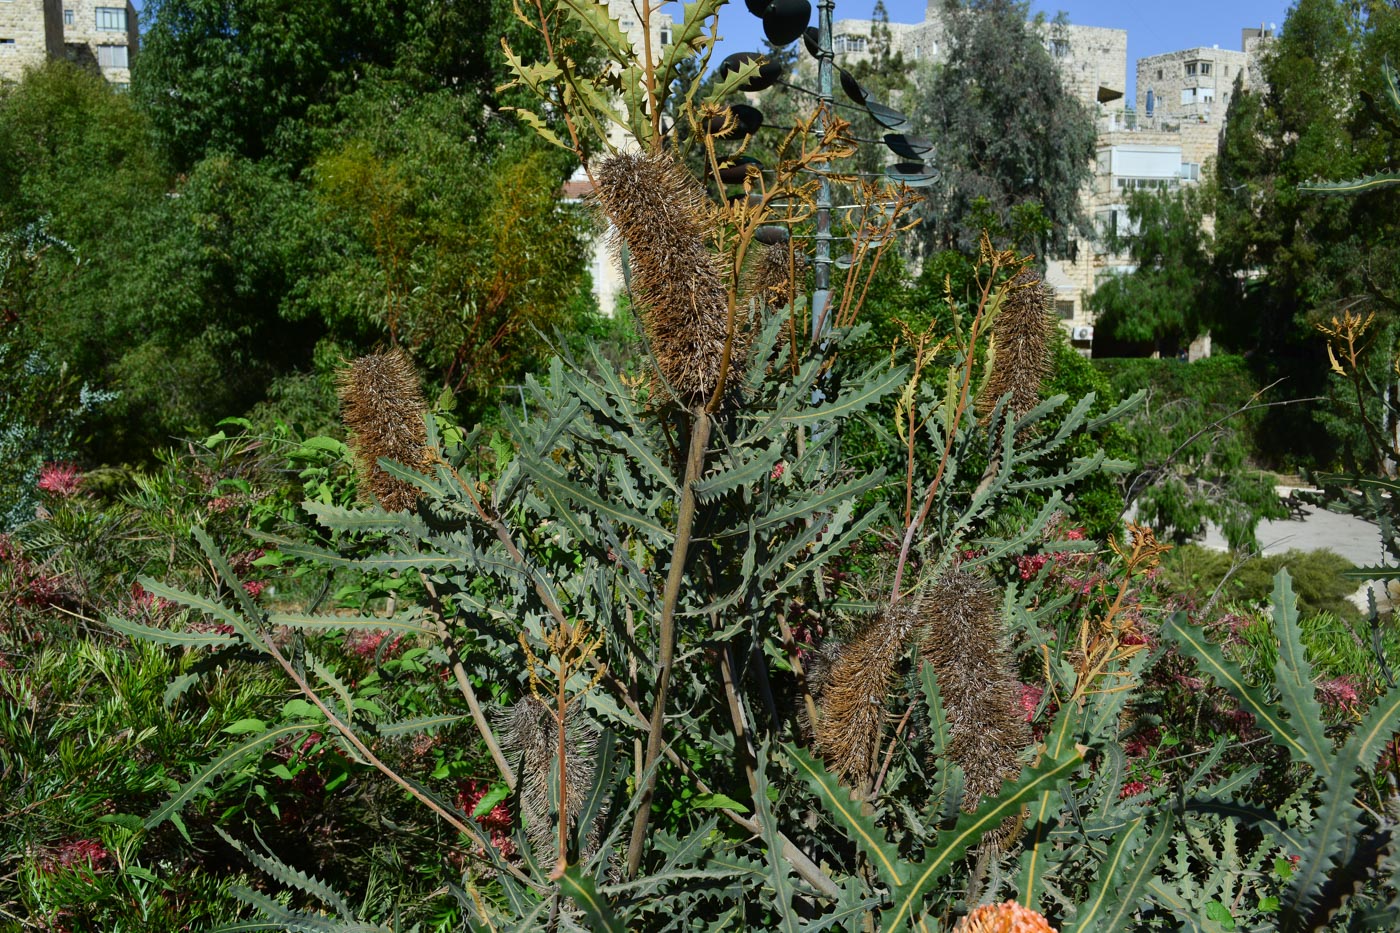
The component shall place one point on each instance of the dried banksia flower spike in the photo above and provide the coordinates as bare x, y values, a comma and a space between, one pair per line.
528, 732
770, 279
383, 409
664, 218
963, 640
854, 689
1020, 357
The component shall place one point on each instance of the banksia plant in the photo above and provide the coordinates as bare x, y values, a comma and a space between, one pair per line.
661, 214
770, 279
962, 639
383, 410
528, 733
1021, 354
1009, 917
853, 690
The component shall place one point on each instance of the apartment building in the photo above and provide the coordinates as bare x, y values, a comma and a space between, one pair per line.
99, 34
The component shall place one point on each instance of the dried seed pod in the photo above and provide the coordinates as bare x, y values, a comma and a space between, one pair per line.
528, 731
1009, 917
962, 639
1021, 355
664, 218
853, 694
383, 409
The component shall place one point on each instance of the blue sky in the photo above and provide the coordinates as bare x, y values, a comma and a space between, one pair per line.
1153, 28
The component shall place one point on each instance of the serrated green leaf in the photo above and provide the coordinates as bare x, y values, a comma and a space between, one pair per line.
1293, 676
950, 845
551, 478
292, 877
209, 607
867, 393
407, 625
166, 637
1353, 186
340, 518
425, 724
1193, 642
717, 802
594, 906
223, 761
1036, 860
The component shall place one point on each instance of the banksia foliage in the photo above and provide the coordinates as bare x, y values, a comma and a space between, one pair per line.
770, 278
1021, 354
962, 638
383, 409
853, 691
528, 733
1009, 917
664, 218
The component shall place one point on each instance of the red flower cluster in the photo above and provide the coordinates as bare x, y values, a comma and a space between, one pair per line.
1132, 789
366, 644
60, 479
75, 854
496, 821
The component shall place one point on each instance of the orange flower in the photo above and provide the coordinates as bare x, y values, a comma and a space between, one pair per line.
1010, 917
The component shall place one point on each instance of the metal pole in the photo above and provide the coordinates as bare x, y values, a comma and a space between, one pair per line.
821, 291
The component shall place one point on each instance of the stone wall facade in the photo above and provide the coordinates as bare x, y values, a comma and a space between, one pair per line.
102, 35
31, 32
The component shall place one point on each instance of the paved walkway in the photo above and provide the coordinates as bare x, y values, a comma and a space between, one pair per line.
1357, 540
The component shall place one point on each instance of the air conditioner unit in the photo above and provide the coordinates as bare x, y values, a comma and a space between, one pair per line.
1083, 333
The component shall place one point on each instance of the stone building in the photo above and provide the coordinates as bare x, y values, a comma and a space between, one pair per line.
99, 34
31, 32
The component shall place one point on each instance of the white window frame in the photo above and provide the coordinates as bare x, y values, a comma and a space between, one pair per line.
104, 16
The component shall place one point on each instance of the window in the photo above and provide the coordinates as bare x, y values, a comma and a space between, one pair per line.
112, 56
1159, 74
67, 17
7, 41
1065, 309
665, 35
111, 19
1190, 69
1205, 68
849, 44
1059, 48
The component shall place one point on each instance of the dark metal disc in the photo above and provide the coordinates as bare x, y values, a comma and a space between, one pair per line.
771, 235
852, 87
785, 20
736, 173
811, 38
758, 7
888, 117
912, 174
911, 147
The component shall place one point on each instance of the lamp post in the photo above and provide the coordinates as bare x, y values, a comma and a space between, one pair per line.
821, 286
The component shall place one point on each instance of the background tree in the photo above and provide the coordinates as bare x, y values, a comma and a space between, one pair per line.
1014, 147
1171, 296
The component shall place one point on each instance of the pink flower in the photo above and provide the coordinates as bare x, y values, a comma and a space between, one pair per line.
1030, 699
497, 821
1030, 564
1338, 693
254, 588
366, 644
1139, 745
9, 550
777, 471
75, 853
61, 479
1132, 789
1074, 534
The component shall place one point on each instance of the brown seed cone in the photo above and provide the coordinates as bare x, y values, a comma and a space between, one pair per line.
1021, 349
854, 689
383, 410
769, 281
528, 731
962, 638
1009, 917
663, 217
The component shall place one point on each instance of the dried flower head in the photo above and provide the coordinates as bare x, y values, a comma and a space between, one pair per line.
962, 639
664, 218
528, 732
1009, 917
1020, 357
771, 279
853, 690
383, 409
